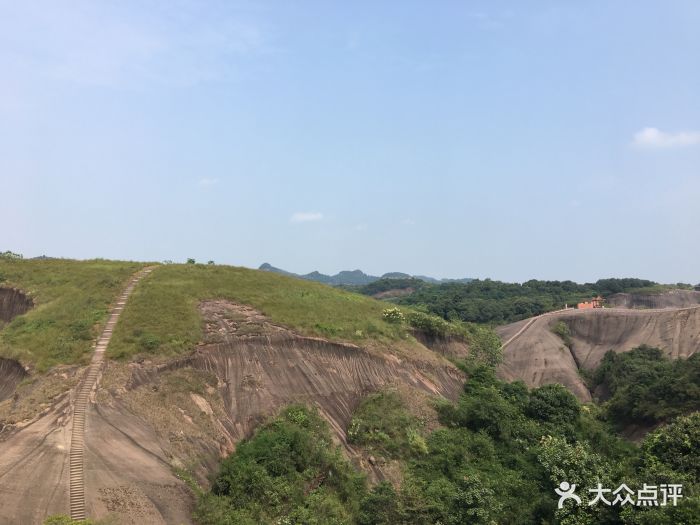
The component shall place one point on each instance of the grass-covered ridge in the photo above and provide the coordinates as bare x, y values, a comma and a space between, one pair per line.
71, 302
162, 317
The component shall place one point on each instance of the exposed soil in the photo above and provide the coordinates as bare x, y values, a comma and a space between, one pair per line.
538, 356
449, 346
11, 373
13, 302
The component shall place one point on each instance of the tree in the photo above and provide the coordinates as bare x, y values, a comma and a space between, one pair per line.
380, 506
676, 445
11, 255
553, 404
577, 465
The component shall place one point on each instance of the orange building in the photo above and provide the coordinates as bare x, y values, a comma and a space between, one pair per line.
596, 302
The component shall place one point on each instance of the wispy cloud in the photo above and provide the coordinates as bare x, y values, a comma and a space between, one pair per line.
408, 222
206, 182
653, 138
306, 216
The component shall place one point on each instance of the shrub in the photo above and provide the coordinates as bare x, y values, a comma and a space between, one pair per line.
485, 346
383, 425
288, 472
553, 404
11, 255
393, 315
149, 342
380, 507
429, 324
562, 330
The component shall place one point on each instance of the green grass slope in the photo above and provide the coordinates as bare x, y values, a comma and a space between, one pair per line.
71, 301
161, 317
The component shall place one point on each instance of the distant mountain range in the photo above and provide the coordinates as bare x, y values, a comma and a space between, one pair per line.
356, 277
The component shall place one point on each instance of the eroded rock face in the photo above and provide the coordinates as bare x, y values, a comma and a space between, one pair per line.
262, 367
539, 357
13, 302
449, 346
672, 299
189, 412
11, 373
256, 368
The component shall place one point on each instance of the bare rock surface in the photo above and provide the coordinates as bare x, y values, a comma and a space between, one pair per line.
671, 299
538, 356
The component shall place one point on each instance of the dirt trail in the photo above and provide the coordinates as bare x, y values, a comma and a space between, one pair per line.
537, 356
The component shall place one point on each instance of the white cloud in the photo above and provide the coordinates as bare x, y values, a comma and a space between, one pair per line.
657, 139
306, 216
206, 182
408, 222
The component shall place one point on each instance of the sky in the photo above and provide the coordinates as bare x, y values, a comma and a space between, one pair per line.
508, 140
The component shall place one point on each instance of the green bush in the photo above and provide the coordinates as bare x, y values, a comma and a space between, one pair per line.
380, 506
553, 404
431, 325
393, 315
288, 472
149, 342
562, 330
382, 424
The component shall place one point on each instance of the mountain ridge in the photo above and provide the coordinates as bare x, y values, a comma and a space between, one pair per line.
355, 277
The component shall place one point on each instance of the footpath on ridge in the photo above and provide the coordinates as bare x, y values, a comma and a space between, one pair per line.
80, 403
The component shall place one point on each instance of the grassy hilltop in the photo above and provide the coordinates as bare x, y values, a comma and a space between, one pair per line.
71, 302
162, 317
72, 299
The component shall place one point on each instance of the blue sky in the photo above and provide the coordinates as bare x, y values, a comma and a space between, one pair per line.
511, 140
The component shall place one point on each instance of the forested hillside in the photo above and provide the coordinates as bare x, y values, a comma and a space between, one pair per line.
487, 301
496, 456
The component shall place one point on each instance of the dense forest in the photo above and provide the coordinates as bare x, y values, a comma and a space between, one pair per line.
487, 301
495, 456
